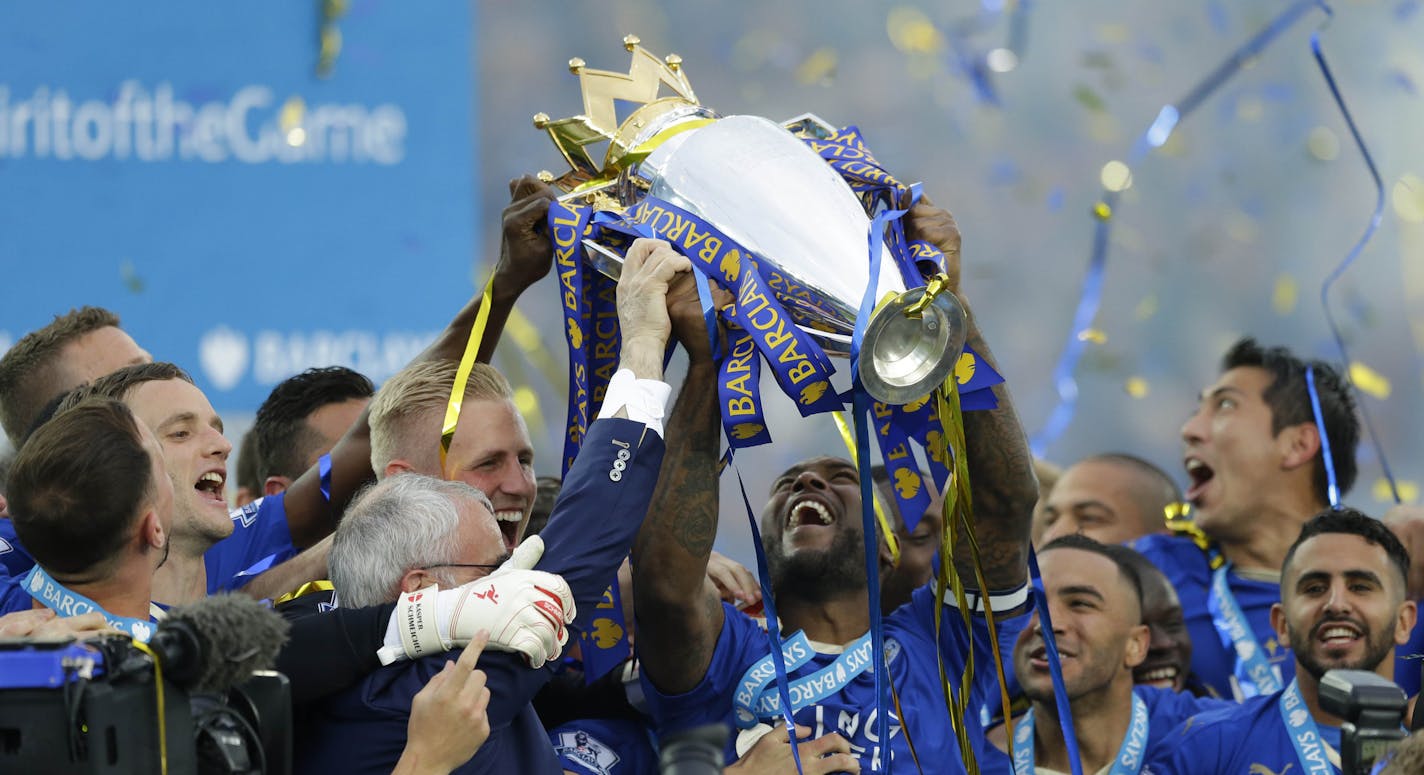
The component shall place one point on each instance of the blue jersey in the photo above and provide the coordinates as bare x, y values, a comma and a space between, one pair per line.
14, 560
13, 596
604, 746
1165, 710
1246, 739
850, 710
363, 729
1189, 570
260, 539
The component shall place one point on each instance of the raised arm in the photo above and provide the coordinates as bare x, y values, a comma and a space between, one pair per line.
1003, 486
678, 611
525, 256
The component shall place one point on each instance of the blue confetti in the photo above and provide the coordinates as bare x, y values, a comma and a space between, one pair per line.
1055, 199
1216, 14
1406, 9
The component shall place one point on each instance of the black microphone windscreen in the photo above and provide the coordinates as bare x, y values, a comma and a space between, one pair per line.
237, 635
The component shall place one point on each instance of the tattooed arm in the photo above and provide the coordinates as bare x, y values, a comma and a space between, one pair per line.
1003, 487
678, 611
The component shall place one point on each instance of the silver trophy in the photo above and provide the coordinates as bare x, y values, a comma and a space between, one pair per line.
763, 187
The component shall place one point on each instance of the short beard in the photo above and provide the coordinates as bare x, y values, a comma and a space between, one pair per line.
1377, 651
817, 576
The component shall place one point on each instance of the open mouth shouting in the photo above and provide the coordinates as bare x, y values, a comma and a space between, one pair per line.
808, 511
509, 520
1201, 475
210, 488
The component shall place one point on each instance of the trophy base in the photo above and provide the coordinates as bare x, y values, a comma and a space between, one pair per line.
904, 358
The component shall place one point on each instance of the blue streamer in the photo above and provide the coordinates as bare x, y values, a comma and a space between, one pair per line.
1354, 253
773, 629
861, 407
1090, 298
1332, 489
1055, 666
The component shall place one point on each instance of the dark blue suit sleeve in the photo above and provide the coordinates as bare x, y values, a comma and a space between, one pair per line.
600, 509
589, 533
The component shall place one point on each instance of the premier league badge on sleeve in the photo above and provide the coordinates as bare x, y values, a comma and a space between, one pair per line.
586, 750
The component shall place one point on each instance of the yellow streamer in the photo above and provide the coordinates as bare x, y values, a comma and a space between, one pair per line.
462, 374
885, 526
958, 511
162, 718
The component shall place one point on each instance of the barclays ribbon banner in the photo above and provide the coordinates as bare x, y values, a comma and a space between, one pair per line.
184, 165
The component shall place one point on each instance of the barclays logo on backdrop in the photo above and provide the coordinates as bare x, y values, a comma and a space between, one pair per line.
229, 356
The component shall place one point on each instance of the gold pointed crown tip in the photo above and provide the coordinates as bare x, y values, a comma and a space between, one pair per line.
541, 120
545, 176
576, 65
674, 62
631, 41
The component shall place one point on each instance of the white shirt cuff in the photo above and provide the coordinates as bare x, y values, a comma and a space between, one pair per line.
645, 399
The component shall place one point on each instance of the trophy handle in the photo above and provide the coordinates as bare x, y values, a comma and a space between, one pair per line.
911, 344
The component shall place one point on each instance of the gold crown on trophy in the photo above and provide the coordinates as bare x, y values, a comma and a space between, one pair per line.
628, 141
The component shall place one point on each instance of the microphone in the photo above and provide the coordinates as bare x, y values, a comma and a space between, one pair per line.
216, 643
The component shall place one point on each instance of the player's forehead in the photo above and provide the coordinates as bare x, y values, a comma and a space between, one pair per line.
1338, 554
821, 464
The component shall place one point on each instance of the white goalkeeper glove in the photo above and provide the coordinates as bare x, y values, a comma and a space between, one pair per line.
523, 610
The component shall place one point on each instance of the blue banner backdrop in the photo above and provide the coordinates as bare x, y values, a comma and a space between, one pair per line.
183, 165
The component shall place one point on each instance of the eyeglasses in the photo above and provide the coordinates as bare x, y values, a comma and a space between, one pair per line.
455, 565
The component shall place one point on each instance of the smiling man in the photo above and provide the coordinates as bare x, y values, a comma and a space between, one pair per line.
701, 659
1254, 456
1095, 599
1169, 653
490, 450
210, 546
1343, 606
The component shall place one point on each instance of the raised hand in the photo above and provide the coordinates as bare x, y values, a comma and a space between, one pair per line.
936, 226
526, 255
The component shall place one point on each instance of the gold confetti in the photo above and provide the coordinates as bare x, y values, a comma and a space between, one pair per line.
820, 67
1114, 33
1408, 491
290, 121
1285, 295
1088, 98
1323, 144
526, 401
1094, 335
911, 31
1147, 307
1250, 109
1408, 198
1136, 387
1102, 211
1369, 381
1116, 176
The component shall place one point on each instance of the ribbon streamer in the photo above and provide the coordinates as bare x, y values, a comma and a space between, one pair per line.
1350, 257
1090, 298
1332, 489
462, 374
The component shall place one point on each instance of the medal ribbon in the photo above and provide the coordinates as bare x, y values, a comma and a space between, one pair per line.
1310, 748
1129, 754
65, 603
1253, 673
